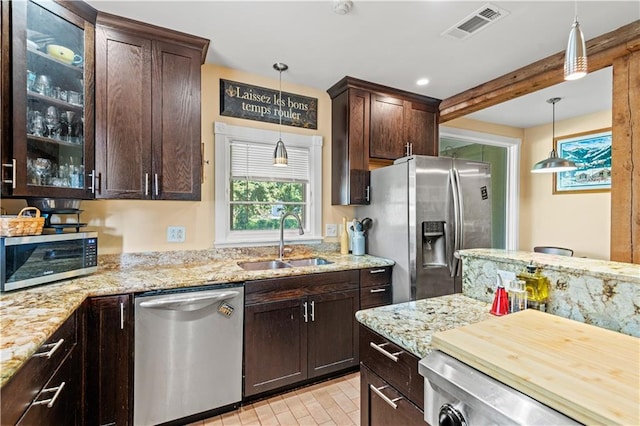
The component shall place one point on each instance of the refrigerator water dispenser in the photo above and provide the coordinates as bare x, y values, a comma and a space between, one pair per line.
433, 244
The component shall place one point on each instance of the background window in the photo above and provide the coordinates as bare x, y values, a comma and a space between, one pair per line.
251, 193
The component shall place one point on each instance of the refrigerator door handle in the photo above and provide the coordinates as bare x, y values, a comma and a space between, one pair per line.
453, 267
458, 220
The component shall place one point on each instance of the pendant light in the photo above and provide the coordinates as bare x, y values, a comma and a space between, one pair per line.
553, 164
280, 158
575, 58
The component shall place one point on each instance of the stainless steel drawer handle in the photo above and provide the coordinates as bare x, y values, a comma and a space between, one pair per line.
50, 401
54, 347
378, 290
393, 357
13, 173
377, 271
391, 402
306, 316
121, 316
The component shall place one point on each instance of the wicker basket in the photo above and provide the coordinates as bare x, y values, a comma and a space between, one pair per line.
19, 226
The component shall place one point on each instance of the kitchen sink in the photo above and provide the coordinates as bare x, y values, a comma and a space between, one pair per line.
313, 261
279, 264
262, 265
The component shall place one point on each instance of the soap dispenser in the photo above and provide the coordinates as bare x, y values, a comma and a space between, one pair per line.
537, 286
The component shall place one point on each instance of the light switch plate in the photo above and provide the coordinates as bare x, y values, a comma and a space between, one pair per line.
331, 230
175, 234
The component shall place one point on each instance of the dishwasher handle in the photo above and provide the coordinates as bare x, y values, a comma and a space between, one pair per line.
188, 302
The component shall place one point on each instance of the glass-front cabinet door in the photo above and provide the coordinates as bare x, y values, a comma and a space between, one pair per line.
52, 141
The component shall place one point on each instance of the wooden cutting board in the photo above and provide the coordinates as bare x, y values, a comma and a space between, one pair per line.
588, 373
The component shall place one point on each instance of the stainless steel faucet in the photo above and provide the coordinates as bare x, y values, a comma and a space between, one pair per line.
300, 230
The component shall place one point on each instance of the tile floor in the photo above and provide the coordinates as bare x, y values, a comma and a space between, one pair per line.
335, 402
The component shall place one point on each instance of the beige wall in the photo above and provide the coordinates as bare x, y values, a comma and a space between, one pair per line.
127, 226
483, 127
578, 221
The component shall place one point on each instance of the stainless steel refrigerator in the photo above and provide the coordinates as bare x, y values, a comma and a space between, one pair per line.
423, 209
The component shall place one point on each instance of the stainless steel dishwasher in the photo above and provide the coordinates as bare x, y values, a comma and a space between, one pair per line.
188, 352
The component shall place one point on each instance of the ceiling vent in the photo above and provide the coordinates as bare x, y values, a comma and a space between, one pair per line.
481, 18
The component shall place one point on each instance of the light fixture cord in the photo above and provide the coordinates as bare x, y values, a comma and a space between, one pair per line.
553, 123
575, 10
280, 104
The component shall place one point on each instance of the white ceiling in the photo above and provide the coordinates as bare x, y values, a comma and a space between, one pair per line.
394, 43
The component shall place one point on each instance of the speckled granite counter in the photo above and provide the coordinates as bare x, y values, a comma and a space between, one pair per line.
29, 317
602, 293
411, 324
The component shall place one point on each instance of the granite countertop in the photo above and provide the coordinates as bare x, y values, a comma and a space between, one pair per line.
600, 268
29, 317
411, 324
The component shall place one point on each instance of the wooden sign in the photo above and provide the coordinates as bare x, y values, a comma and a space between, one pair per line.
261, 104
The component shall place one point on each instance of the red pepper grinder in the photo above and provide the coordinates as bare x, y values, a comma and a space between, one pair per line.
500, 302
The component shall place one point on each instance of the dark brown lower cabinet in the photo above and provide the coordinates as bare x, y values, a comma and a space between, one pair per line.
109, 360
47, 390
381, 404
275, 345
333, 333
299, 328
57, 403
391, 388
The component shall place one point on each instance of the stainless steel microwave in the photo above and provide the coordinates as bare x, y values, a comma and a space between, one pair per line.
41, 259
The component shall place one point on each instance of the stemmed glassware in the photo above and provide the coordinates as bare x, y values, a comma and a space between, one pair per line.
37, 123
52, 120
42, 168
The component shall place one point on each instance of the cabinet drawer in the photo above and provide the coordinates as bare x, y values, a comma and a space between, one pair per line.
380, 295
375, 276
57, 402
396, 366
18, 393
382, 404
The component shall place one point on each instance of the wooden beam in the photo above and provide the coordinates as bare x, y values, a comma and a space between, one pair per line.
625, 160
601, 52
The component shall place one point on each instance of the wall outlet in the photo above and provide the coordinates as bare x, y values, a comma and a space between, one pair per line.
507, 278
175, 234
331, 230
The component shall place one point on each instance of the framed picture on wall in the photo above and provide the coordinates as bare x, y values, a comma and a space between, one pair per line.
591, 151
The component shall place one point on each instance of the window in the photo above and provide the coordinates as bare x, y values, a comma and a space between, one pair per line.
251, 194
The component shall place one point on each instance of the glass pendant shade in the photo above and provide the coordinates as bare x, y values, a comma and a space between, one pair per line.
575, 58
280, 158
553, 164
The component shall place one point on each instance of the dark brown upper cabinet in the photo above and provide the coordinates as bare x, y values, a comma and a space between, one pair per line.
147, 111
372, 125
47, 101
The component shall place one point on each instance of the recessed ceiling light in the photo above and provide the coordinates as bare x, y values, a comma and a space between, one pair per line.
422, 82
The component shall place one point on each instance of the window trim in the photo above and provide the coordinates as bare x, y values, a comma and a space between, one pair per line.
224, 134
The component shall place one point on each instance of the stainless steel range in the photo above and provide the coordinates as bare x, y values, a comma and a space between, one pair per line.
456, 394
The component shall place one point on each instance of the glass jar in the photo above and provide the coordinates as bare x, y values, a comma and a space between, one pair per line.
537, 286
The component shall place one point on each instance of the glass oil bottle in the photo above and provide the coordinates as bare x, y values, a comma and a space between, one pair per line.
537, 286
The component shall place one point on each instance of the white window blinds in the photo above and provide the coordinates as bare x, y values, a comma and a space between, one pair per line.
254, 161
